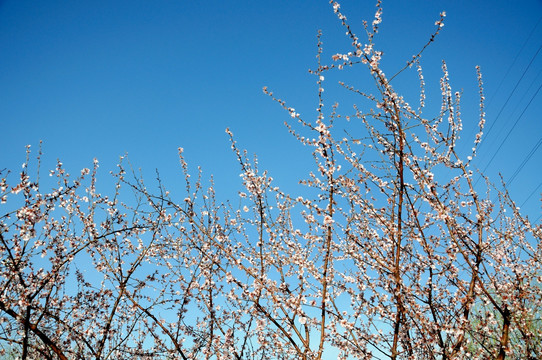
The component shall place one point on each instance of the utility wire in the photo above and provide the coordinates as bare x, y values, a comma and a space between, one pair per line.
510, 131
508, 71
510, 95
524, 96
530, 195
539, 143
520, 167
514, 61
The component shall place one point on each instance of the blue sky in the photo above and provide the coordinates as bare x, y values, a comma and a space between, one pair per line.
105, 78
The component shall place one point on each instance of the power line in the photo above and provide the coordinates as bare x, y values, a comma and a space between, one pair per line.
510, 68
530, 195
527, 158
514, 61
510, 131
512, 93
524, 96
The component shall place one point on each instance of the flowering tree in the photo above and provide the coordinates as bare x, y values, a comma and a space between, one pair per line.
390, 253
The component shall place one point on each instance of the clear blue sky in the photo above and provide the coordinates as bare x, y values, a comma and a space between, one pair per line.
102, 78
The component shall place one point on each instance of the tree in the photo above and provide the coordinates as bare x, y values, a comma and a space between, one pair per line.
392, 252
